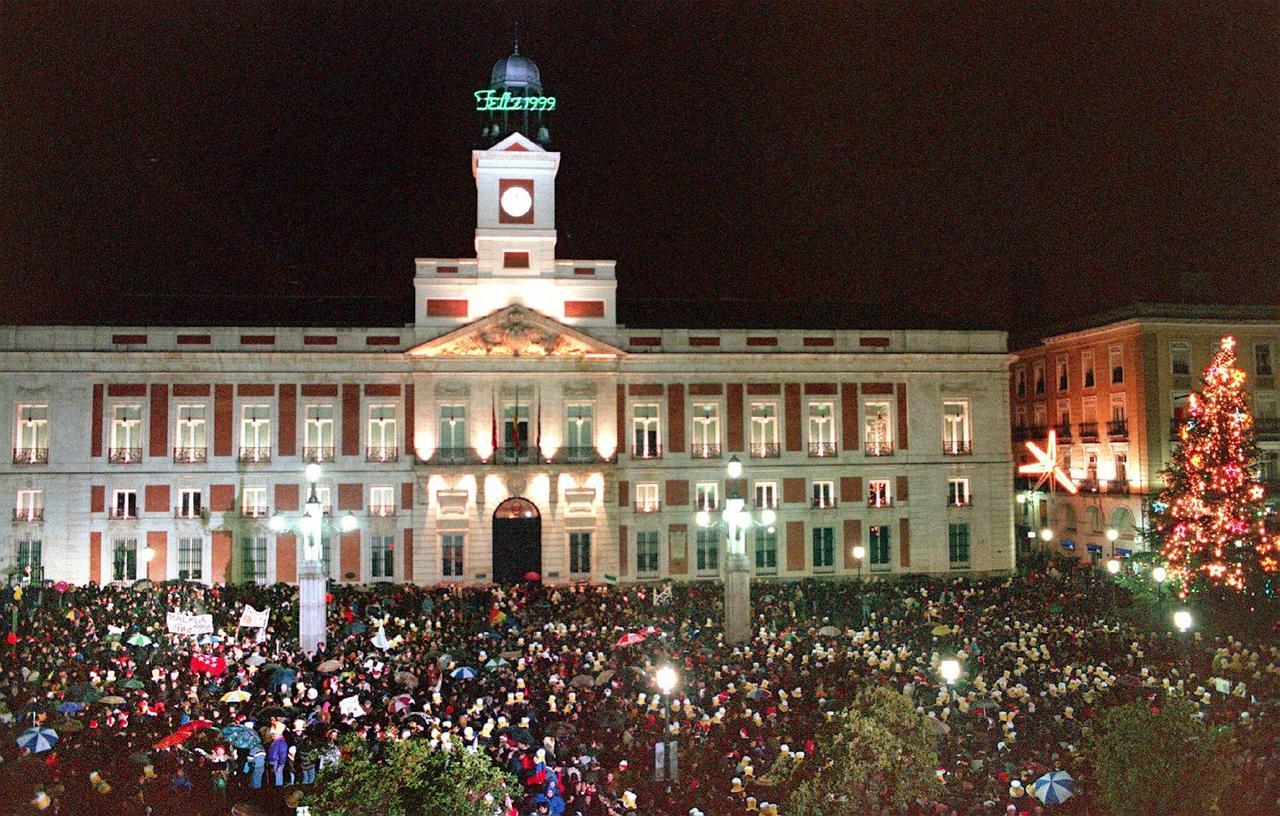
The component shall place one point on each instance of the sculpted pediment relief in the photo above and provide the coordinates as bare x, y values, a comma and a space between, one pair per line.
515, 332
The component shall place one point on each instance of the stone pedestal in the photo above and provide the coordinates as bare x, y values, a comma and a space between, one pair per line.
312, 584
737, 599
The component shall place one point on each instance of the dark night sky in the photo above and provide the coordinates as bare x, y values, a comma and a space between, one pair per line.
912, 163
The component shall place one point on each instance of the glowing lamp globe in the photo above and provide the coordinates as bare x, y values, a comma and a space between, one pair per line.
147, 554
735, 467
767, 516
666, 679
313, 472
1046, 534
349, 523
276, 523
1182, 620
1159, 574
1112, 534
703, 518
950, 670
1113, 566
859, 552
733, 506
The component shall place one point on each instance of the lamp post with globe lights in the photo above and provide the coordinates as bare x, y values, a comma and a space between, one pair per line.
736, 519
666, 678
312, 578
1159, 575
1182, 620
949, 669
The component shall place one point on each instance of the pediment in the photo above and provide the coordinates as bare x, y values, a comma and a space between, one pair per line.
515, 331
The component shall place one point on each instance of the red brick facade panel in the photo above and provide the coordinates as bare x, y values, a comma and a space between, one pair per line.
902, 416
97, 498
286, 557
95, 557
675, 417
795, 546
849, 416
191, 390
621, 418
584, 308
158, 566
350, 496
408, 553
677, 566
127, 390
349, 561
287, 441
677, 493
382, 340
706, 389
194, 339
287, 497
156, 499
222, 498
382, 390
820, 389
873, 342
904, 542
406, 496
319, 390
734, 430
850, 489
793, 490
158, 438
350, 420
515, 260
877, 388
624, 563
446, 307
257, 339
320, 340
819, 342
902, 489
255, 390
645, 389
220, 547
704, 341
410, 448
223, 404
852, 538
95, 430
624, 493
763, 389
793, 424
762, 341
645, 342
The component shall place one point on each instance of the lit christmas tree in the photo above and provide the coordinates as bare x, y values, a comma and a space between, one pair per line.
1209, 518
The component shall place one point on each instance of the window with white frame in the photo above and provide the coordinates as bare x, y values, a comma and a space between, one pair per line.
326, 554
824, 549
382, 501
958, 545
1040, 416
30, 556
30, 505
823, 492
1020, 381
126, 433
1037, 376
451, 550
1116, 356
1117, 408
878, 494
124, 559
647, 497
579, 434
253, 559
382, 556
515, 427
1020, 417
580, 552
879, 538
878, 428
707, 495
766, 541
708, 551
822, 429
647, 552
124, 504
1122, 468
955, 427
189, 502
382, 433
32, 439
255, 433
191, 558
764, 429
1180, 357
1064, 413
324, 495
1086, 368
191, 434
646, 434
318, 439
254, 502
766, 495
1262, 360
1064, 377
706, 430
958, 492
453, 428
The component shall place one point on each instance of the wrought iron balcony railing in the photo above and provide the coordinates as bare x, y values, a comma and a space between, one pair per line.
1037, 432
648, 506
28, 514
318, 454
822, 449
124, 456
190, 513
382, 453
1267, 428
1063, 431
31, 456
190, 456
822, 504
960, 501
1089, 431
705, 450
576, 455
765, 450
509, 455
1118, 429
255, 512
453, 456
255, 454
878, 448
957, 447
122, 513
649, 452
382, 510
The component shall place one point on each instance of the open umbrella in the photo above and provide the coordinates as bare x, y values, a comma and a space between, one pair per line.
630, 639
828, 631
112, 700
1054, 787
37, 740
940, 630
561, 729
984, 702
138, 639
254, 660
406, 679
463, 673
532, 576
284, 677
271, 711
604, 677
240, 737
70, 708
494, 663
132, 683
270, 667
176, 738
236, 696
329, 666
356, 628
582, 681
400, 702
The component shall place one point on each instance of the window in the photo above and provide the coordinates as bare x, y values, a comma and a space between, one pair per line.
326, 555
1262, 359
824, 493
1064, 414
255, 433
1038, 375
1064, 380
253, 559
647, 552
955, 427
1265, 404
382, 550
580, 553
382, 433
878, 493
451, 555
1091, 468
1040, 417
254, 502
1020, 417
30, 505
1086, 365
124, 560
126, 434
958, 492
879, 536
515, 427
766, 549
382, 501
1020, 381
824, 549
191, 434
1116, 355
124, 504
764, 429
822, 429
32, 444
453, 429
706, 430
1122, 469
579, 438
878, 429
766, 495
647, 497
29, 556
190, 558
958, 544
708, 541
1180, 357
318, 444
1117, 408
189, 503
645, 433
707, 495
323, 495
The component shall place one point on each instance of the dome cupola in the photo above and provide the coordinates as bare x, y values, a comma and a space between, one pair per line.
514, 101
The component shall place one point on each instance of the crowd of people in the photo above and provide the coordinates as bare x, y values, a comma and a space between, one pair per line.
557, 685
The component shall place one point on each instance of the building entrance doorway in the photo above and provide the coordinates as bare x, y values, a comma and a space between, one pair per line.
517, 541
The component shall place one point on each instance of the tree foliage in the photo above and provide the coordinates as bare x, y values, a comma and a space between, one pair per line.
881, 755
1160, 763
413, 778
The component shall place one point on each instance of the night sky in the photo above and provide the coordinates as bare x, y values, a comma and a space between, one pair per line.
909, 164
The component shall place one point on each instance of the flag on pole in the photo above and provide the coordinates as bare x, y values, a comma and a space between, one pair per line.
494, 407
538, 441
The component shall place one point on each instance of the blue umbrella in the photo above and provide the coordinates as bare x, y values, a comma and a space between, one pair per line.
70, 708
284, 677
1054, 788
463, 673
241, 737
36, 740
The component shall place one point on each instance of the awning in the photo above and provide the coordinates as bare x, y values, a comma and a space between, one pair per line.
1123, 553
1068, 545
1095, 548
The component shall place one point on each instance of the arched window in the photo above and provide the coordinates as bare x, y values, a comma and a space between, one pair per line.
1066, 517
1122, 521
1093, 516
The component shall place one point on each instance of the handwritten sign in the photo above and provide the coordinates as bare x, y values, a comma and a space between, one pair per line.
184, 623
251, 618
490, 100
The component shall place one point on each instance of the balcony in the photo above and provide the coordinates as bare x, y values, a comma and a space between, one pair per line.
960, 501
382, 510
31, 456
823, 504
1063, 431
878, 449
190, 513
510, 455
1267, 429
382, 453
256, 512
1088, 432
1118, 430
256, 454
453, 456
651, 452
1021, 433
648, 506
822, 449
190, 456
26, 515
879, 501
1038, 432
122, 513
1119, 488
957, 447
317, 454
704, 450
578, 455
124, 456
765, 450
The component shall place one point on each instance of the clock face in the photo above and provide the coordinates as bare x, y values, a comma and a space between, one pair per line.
516, 201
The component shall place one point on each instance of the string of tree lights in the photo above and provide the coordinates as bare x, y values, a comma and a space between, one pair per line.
1210, 518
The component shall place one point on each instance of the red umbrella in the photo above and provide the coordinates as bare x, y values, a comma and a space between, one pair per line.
176, 738
196, 725
61, 586
208, 664
531, 576
630, 639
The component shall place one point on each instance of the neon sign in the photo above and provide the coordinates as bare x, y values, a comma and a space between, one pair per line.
489, 100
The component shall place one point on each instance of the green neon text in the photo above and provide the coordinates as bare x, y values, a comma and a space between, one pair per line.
489, 100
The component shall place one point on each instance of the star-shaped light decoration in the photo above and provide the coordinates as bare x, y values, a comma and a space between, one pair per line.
1046, 466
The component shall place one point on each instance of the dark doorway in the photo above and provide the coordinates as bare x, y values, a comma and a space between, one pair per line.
517, 541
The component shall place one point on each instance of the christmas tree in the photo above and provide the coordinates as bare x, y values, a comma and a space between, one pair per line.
1209, 518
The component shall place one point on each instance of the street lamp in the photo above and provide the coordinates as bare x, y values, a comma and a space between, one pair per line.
737, 576
1182, 620
666, 679
1112, 534
1046, 534
950, 670
1113, 566
1159, 575
735, 467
